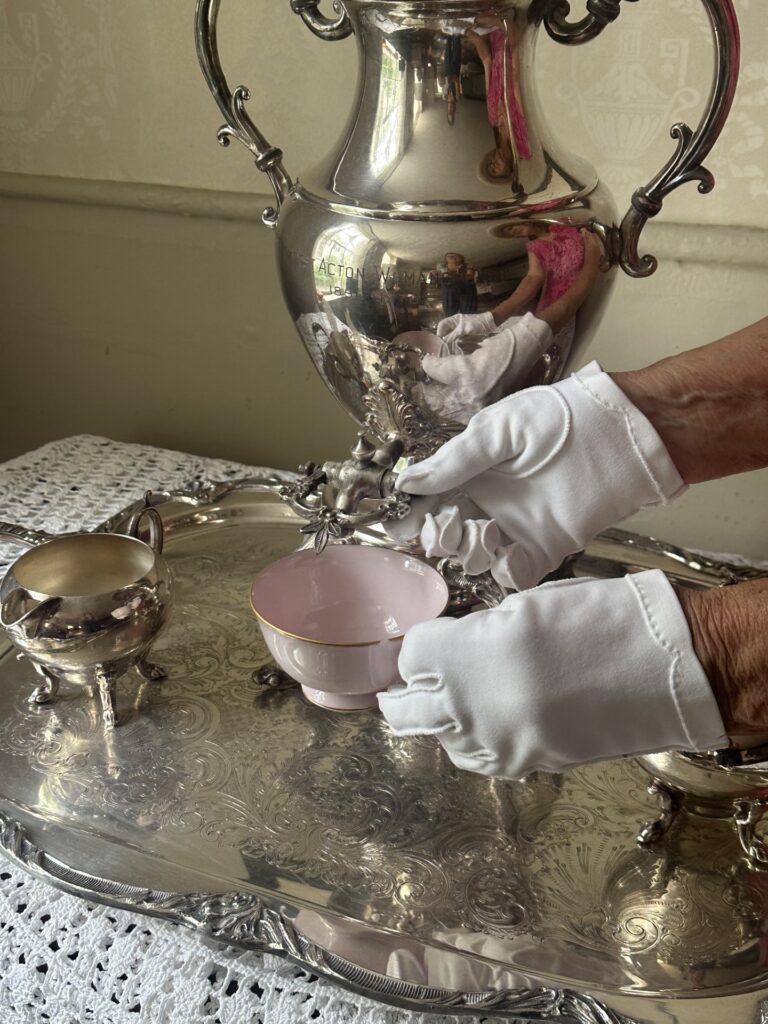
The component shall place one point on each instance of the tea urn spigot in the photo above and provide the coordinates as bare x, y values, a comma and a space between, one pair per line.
339, 498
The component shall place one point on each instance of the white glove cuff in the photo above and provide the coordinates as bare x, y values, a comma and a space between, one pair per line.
697, 709
648, 446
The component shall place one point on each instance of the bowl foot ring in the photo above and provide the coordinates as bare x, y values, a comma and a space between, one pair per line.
340, 701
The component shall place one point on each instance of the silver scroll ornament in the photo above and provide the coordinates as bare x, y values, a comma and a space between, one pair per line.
243, 920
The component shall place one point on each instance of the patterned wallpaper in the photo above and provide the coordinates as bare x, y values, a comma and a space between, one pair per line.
106, 90
617, 98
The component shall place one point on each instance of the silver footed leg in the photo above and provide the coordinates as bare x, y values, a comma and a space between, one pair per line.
46, 692
150, 671
747, 815
669, 808
107, 685
273, 678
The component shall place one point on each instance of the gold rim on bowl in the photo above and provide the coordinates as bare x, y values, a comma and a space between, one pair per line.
330, 643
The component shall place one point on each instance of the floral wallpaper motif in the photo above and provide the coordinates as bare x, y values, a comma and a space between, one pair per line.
617, 98
57, 74
628, 100
106, 90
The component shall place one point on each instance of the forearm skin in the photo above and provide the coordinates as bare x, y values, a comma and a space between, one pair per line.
710, 408
729, 627
709, 405
521, 300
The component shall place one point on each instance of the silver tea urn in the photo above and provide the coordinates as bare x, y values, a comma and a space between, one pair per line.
443, 182
445, 174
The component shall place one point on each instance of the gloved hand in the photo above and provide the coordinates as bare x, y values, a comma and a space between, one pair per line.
552, 466
466, 325
571, 672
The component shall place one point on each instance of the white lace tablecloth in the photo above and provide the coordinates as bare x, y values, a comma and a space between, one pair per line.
65, 961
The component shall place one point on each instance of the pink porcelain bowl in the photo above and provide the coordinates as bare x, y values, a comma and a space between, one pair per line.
335, 621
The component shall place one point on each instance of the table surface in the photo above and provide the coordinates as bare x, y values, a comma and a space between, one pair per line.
66, 961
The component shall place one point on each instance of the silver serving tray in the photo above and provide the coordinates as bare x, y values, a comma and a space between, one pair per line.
271, 824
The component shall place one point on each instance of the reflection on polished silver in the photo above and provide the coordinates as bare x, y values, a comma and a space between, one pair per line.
711, 786
273, 677
748, 814
439, 200
330, 496
633, 551
243, 920
84, 608
46, 691
669, 807
271, 823
22, 534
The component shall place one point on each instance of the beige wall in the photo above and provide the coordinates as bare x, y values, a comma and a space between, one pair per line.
117, 95
138, 295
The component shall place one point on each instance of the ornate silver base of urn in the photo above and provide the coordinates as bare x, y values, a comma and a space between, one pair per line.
727, 785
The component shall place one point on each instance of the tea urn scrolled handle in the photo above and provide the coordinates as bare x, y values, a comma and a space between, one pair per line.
325, 28
572, 33
693, 146
238, 125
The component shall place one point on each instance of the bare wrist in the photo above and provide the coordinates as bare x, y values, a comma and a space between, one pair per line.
651, 394
728, 629
709, 405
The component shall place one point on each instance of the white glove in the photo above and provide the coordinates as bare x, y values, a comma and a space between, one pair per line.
571, 672
466, 325
552, 466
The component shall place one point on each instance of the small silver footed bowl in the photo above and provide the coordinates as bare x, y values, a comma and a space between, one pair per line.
85, 607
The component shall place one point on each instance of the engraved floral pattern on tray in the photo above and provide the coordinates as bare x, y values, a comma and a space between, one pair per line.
217, 774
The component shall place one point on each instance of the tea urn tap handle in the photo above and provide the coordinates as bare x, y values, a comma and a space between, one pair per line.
238, 125
330, 496
325, 28
693, 147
